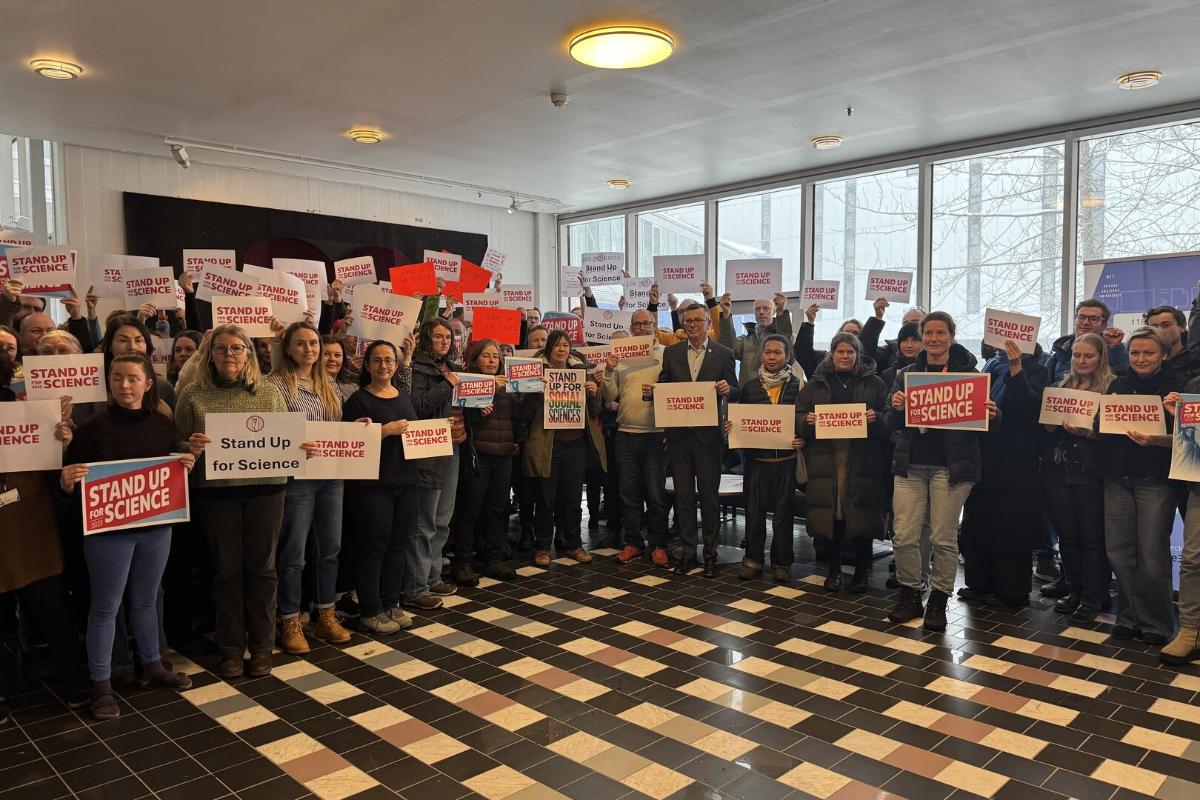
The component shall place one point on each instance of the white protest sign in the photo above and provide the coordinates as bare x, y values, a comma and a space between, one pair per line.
484, 300
841, 421
251, 314
685, 405
195, 261
596, 356
1004, 326
10, 239
224, 282
753, 278
675, 274
310, 271
379, 315
1121, 413
447, 266
287, 293
602, 269
564, 400
427, 438
353, 271
519, 295
27, 440
255, 445
79, 377
637, 292
633, 351
107, 273
161, 355
572, 281
44, 270
895, 287
599, 324
345, 451
822, 293
155, 286
493, 260
761, 426
1069, 406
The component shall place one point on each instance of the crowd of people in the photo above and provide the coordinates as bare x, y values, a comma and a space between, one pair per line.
288, 560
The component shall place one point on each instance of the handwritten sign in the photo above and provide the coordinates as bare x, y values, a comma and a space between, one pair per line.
353, 271
761, 426
447, 266
493, 260
27, 442
1185, 449
414, 279
675, 274
501, 324
473, 278
841, 421
524, 375
637, 292
219, 281
1069, 406
602, 269
519, 295
1121, 413
44, 270
895, 287
427, 438
571, 281
823, 294
345, 451
378, 315
753, 278
255, 445
562, 321
251, 314
80, 377
134, 493
599, 324
564, 406
1005, 326
685, 405
953, 400
155, 286
195, 261
287, 292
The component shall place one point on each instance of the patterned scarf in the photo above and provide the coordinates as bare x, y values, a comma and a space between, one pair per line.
772, 379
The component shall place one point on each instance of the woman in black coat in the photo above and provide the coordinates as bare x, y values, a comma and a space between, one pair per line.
847, 498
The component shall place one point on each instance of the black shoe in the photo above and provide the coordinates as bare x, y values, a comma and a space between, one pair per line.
935, 611
750, 570
501, 571
1085, 612
833, 581
969, 595
710, 568
1155, 639
1066, 605
858, 583
465, 575
1055, 589
1046, 569
684, 565
908, 606
593, 523
525, 543
1125, 632
891, 582
782, 574
347, 608
5, 714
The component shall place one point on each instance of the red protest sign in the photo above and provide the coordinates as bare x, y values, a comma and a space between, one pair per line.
501, 324
453, 289
560, 321
134, 494
473, 278
955, 400
413, 279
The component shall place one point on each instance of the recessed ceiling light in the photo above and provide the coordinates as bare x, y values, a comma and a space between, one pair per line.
619, 184
621, 47
56, 69
827, 142
1143, 79
366, 136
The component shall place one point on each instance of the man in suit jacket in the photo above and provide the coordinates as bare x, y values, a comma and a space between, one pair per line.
695, 453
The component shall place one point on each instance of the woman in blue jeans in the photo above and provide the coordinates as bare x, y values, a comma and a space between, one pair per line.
310, 507
130, 562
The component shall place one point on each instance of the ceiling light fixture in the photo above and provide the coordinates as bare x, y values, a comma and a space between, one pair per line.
513, 206
1142, 79
621, 47
56, 69
620, 184
366, 135
828, 142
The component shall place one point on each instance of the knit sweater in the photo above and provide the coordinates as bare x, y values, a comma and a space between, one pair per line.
195, 402
117, 433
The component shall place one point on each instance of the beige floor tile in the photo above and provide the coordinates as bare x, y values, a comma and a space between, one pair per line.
1153, 740
608, 593
338, 690
1013, 643
742, 701
586, 613
582, 690
1096, 637
1173, 708
379, 718
484, 583
872, 665
750, 606
801, 646
207, 694
515, 717
692, 647
533, 629
498, 783
616, 763
680, 612
640, 666
911, 712
1129, 777
657, 781
410, 669
490, 614
541, 600
433, 630
635, 628
779, 714
982, 782
247, 718
647, 715
293, 747
704, 688
579, 747
296, 669
1048, 712
476, 648
828, 687
953, 687
906, 645
756, 666
528, 571
684, 729
1189, 682
814, 780
649, 580
454, 600
583, 646
723, 744
435, 748
1078, 686
538, 791
1018, 744
735, 628
341, 784
842, 629
1105, 664
524, 667
867, 744
458, 691
786, 592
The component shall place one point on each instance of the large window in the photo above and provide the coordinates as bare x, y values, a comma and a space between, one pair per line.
859, 224
677, 231
17, 199
597, 235
997, 238
762, 226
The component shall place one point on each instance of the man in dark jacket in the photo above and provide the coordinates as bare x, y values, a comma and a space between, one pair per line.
770, 317
1091, 316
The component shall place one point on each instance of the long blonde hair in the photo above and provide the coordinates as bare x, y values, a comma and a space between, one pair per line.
1103, 375
287, 371
205, 373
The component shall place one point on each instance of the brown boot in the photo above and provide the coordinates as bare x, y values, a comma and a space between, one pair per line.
328, 629
260, 665
1183, 649
291, 638
231, 665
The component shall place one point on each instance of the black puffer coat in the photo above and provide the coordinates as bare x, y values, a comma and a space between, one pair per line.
752, 391
431, 396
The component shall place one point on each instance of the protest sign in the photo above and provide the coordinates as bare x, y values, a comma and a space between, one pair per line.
1185, 449
675, 274
79, 377
571, 282
524, 375
634, 352
8, 240
427, 438
413, 280
287, 293
255, 445
155, 286
1121, 413
762, 426
1005, 326
564, 405
345, 451
27, 442
378, 315
519, 295
311, 272
219, 281
134, 493
43, 270
753, 278
596, 356
473, 390
841, 421
637, 292
251, 314
195, 261
473, 278
1070, 406
483, 300
599, 324
353, 271
493, 260
501, 324
823, 294
954, 400
109, 271
685, 405
895, 287
602, 269
161, 355
447, 266
563, 321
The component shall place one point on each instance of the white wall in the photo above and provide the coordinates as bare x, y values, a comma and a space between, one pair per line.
94, 179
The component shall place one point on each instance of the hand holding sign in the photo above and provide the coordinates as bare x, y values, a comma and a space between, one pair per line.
1001, 327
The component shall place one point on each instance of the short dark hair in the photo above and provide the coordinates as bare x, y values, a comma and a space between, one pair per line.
364, 377
346, 373
552, 340
1092, 302
939, 316
425, 334
1180, 319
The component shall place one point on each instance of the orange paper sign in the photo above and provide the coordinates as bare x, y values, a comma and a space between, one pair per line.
501, 324
413, 279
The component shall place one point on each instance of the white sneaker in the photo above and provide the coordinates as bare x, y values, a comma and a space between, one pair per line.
399, 617
381, 623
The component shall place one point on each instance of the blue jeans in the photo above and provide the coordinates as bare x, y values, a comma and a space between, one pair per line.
309, 507
1138, 514
119, 563
642, 467
423, 548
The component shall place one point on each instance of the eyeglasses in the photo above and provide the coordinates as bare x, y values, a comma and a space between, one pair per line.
696, 321
231, 349
383, 362
1088, 318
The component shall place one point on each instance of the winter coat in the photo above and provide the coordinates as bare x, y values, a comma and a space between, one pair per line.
431, 395
1058, 360
753, 391
747, 349
1120, 456
539, 447
493, 435
865, 497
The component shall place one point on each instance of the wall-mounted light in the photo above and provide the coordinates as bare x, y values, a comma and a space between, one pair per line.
56, 69
513, 206
621, 47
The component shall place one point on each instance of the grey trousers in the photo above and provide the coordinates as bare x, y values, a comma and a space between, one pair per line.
925, 500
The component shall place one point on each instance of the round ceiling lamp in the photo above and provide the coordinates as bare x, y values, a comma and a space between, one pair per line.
1143, 79
366, 136
621, 47
827, 142
619, 184
56, 69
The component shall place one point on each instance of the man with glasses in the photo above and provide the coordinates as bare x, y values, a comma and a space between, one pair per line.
1091, 316
770, 316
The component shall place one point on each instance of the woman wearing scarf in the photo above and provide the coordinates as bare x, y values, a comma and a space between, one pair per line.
847, 498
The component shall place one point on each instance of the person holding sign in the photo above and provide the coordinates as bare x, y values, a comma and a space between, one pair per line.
558, 459
124, 334
240, 517
846, 492
770, 482
125, 563
383, 512
1074, 490
1139, 501
806, 355
1185, 647
934, 469
770, 317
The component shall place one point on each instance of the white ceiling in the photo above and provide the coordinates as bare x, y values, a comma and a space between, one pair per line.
462, 85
